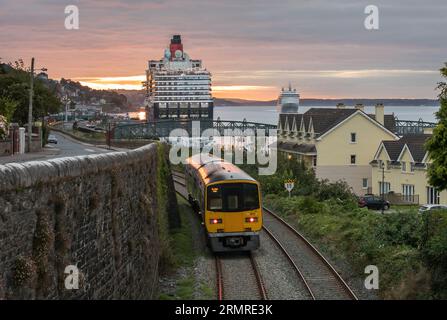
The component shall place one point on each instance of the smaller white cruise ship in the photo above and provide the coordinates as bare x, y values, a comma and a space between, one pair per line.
288, 100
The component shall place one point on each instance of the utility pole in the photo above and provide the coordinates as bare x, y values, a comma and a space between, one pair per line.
30, 107
383, 186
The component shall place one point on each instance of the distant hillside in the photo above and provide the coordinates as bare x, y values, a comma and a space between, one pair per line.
79, 94
330, 102
135, 98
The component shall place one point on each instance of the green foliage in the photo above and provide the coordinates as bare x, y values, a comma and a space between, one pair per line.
7, 107
306, 184
14, 90
435, 250
167, 259
437, 144
392, 242
3, 127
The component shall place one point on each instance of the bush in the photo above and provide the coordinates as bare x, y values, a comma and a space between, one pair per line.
434, 248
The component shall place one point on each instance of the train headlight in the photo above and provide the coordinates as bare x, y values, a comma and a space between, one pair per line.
251, 219
215, 221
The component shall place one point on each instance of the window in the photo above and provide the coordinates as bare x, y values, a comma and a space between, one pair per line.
408, 192
233, 197
404, 166
353, 137
411, 166
433, 196
365, 183
314, 161
353, 159
384, 187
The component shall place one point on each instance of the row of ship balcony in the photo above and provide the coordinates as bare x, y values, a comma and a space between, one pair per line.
180, 94
181, 83
179, 76
181, 99
184, 73
167, 89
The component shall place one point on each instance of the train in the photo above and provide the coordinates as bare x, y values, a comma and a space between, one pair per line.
228, 201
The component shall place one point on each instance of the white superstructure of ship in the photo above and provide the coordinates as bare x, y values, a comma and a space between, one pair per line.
288, 100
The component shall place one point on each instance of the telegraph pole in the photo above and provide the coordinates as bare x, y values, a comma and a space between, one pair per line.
383, 186
30, 107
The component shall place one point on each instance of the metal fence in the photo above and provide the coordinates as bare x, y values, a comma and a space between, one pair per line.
397, 198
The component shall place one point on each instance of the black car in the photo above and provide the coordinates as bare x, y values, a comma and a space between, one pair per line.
373, 202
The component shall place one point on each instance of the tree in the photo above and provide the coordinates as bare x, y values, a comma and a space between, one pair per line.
14, 86
437, 144
7, 107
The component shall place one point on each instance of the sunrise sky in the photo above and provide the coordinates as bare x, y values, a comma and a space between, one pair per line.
251, 47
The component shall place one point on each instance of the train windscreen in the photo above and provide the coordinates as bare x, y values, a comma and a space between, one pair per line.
233, 197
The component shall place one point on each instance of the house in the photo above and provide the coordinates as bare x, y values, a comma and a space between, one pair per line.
338, 143
400, 168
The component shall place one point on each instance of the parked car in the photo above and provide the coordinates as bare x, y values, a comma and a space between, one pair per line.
431, 207
52, 139
373, 202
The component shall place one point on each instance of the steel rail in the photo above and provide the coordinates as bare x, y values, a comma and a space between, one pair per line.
258, 276
337, 276
295, 267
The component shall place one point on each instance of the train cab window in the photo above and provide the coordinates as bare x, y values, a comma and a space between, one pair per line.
251, 197
214, 199
233, 197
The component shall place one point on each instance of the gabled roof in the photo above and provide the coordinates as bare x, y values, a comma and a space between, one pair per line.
324, 119
389, 121
414, 142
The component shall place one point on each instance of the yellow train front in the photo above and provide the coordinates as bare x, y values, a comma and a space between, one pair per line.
229, 202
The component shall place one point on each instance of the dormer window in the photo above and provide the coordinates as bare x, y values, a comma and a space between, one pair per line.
404, 166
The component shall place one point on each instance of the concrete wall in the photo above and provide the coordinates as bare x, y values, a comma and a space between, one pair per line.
97, 212
336, 148
352, 175
334, 152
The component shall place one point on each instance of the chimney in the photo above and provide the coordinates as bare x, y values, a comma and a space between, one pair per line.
340, 105
380, 113
360, 106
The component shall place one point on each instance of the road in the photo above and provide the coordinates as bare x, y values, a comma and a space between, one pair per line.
69, 147
66, 147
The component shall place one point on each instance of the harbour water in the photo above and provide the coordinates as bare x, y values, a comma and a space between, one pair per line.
269, 114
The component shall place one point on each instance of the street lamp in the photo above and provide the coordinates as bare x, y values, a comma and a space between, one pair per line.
66, 101
30, 106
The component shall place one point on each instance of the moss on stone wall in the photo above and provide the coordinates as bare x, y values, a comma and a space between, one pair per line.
168, 215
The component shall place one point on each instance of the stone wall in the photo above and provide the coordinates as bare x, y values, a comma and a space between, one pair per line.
97, 212
5, 147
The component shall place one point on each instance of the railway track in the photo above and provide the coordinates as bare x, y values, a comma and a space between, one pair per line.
317, 275
238, 278
320, 277
231, 282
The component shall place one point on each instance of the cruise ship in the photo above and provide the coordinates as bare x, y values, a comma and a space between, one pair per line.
288, 100
177, 87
